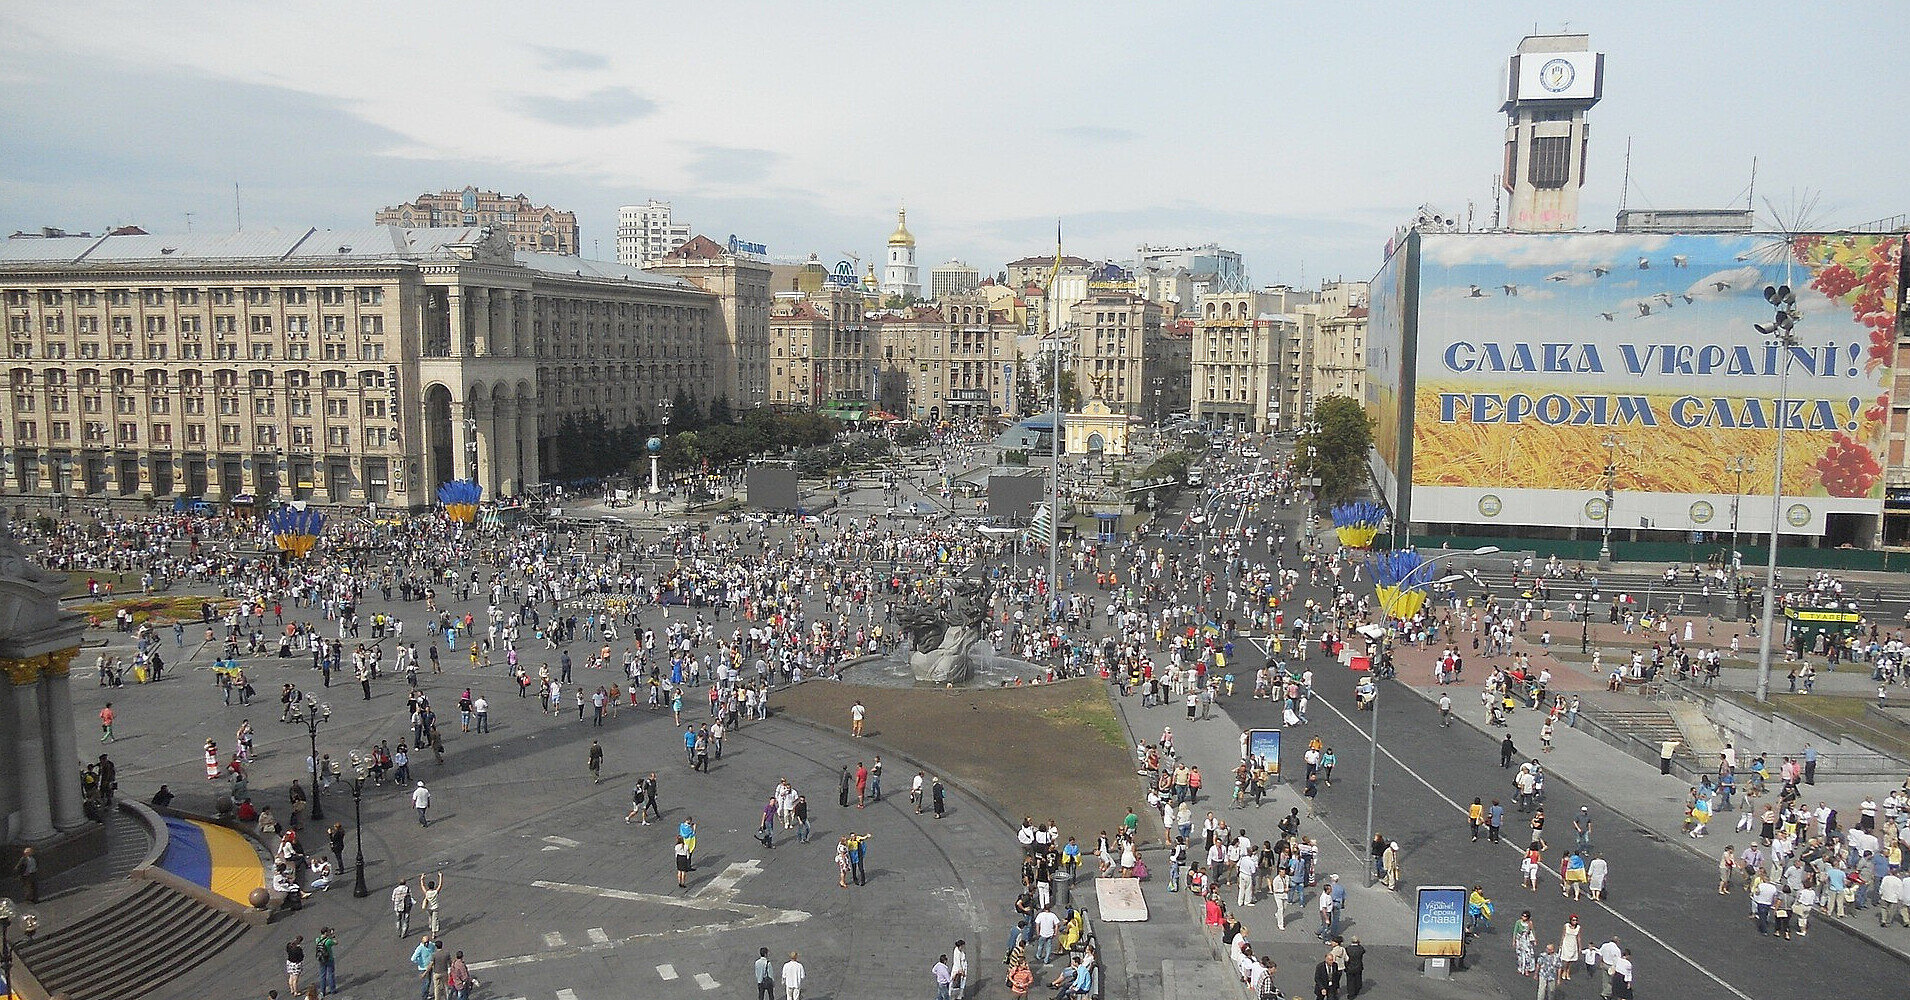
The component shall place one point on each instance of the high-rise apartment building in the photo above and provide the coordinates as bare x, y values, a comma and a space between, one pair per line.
645, 233
535, 228
952, 278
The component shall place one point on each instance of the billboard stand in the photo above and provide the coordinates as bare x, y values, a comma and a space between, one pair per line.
1265, 744
1439, 929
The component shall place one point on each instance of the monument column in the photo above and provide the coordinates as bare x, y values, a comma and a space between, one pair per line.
63, 771
29, 748
505, 415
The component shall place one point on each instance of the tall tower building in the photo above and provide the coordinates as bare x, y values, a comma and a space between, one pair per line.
1550, 84
646, 234
899, 276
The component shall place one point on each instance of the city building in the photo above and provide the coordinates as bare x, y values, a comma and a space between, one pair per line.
1177, 277
1035, 270
741, 284
1119, 349
341, 366
645, 233
1238, 341
1550, 83
900, 278
951, 359
1339, 354
822, 355
535, 228
952, 278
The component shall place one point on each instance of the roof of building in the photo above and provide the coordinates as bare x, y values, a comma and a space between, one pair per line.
701, 248
369, 243
1049, 260
901, 237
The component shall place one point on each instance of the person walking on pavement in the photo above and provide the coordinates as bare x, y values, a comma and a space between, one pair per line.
1507, 751
106, 717
327, 949
430, 889
596, 762
294, 962
842, 790
27, 871
421, 801
1355, 968
401, 908
856, 714
793, 975
765, 973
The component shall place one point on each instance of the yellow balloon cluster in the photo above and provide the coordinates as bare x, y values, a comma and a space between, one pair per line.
1401, 603
1357, 536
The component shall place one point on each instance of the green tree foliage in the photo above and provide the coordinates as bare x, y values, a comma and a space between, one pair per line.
1336, 450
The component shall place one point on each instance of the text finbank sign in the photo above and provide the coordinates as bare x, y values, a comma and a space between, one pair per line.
740, 246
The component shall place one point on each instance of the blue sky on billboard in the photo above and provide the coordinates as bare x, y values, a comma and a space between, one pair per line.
1299, 135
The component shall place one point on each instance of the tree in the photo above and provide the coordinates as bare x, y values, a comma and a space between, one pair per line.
1336, 449
684, 413
720, 411
1070, 392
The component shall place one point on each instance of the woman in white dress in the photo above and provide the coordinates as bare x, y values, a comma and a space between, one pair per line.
1569, 947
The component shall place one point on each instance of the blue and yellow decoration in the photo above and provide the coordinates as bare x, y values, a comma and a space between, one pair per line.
460, 499
1358, 523
1400, 578
295, 531
213, 858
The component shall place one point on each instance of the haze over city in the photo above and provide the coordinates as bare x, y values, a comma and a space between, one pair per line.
1300, 135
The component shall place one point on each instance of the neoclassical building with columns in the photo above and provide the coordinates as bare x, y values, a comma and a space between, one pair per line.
335, 366
39, 756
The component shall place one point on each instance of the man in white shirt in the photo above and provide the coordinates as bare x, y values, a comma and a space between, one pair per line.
421, 800
1890, 898
1047, 925
1608, 954
1249, 866
792, 978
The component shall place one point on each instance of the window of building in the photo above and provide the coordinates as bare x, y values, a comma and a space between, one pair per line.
258, 296
294, 296
262, 326
155, 325
186, 296
331, 296
371, 296
1551, 162
261, 352
338, 437
119, 297
230, 433
220, 296
156, 352
152, 296
196, 435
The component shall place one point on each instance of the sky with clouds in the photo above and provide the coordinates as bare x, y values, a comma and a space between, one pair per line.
1297, 134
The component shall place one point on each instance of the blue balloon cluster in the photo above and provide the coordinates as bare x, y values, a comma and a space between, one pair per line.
1391, 568
295, 523
460, 491
1363, 513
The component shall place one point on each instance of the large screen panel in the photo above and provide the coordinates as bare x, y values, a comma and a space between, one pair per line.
1542, 357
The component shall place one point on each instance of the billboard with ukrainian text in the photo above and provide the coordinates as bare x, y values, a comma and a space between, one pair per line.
1537, 359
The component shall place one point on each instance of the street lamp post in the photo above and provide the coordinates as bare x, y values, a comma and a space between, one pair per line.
471, 445
1054, 488
1779, 334
358, 888
313, 711
1372, 735
1737, 467
1611, 443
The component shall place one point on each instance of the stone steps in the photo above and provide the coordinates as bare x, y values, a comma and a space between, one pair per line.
131, 948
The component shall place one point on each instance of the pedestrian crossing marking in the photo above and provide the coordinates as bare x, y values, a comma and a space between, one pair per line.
707, 981
668, 972
553, 940
598, 935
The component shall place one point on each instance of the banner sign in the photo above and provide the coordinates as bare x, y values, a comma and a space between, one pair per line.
1265, 744
1439, 930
